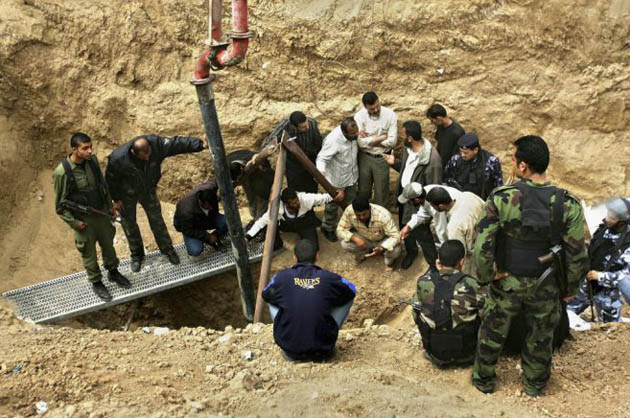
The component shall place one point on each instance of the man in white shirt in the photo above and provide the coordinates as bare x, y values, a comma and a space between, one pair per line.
414, 194
377, 136
463, 212
295, 214
338, 163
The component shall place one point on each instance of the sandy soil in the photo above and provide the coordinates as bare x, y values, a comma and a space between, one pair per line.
116, 69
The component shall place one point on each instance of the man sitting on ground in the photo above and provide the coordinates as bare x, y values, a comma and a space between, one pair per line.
375, 231
446, 309
308, 305
196, 214
296, 215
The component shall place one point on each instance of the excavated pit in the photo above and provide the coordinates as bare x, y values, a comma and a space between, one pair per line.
118, 69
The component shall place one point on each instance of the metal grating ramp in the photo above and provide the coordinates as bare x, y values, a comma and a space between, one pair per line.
72, 295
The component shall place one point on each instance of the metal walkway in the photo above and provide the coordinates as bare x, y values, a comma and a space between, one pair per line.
72, 295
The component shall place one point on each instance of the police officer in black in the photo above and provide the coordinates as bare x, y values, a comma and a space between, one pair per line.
83, 202
609, 256
308, 305
473, 169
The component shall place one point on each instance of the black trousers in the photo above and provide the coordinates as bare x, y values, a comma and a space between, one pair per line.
301, 181
305, 226
422, 235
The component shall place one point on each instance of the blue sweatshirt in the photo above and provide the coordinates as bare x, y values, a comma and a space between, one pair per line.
305, 294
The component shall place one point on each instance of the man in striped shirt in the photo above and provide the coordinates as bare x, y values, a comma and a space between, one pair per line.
375, 231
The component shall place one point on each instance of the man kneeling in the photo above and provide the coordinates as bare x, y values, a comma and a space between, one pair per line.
196, 214
308, 305
446, 309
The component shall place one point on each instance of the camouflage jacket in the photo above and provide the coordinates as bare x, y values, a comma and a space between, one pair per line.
502, 212
467, 299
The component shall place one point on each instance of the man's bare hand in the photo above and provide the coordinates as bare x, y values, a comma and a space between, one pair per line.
204, 140
362, 134
359, 241
376, 251
81, 226
389, 159
118, 206
340, 196
592, 275
404, 233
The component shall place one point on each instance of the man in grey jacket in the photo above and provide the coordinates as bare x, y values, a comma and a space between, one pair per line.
419, 163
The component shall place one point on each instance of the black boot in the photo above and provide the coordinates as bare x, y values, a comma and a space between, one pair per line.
136, 264
101, 291
172, 256
116, 277
329, 235
408, 261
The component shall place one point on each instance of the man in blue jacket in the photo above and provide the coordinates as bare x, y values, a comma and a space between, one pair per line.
308, 305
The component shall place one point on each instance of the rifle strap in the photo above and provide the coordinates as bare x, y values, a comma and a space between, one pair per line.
72, 181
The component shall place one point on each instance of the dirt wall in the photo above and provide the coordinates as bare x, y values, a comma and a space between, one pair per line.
116, 69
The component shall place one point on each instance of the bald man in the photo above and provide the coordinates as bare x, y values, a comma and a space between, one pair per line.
133, 172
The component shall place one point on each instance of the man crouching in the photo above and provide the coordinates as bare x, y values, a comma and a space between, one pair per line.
446, 309
308, 305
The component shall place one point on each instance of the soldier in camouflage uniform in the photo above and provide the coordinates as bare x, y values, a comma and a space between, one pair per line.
446, 309
516, 230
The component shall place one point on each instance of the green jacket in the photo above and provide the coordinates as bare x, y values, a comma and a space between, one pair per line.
502, 212
85, 179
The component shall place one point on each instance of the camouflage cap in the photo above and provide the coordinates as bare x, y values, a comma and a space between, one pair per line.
411, 191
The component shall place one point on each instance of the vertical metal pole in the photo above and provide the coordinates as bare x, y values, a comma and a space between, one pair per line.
205, 95
272, 227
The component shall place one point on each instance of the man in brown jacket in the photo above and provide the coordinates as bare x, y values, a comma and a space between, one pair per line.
419, 163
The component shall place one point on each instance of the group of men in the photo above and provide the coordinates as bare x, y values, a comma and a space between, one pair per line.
486, 261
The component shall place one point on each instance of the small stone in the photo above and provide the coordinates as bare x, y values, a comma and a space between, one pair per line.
87, 406
209, 368
197, 405
229, 328
248, 355
224, 339
41, 407
257, 328
160, 331
70, 410
368, 323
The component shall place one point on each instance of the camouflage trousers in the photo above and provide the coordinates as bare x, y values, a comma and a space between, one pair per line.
153, 209
540, 308
607, 302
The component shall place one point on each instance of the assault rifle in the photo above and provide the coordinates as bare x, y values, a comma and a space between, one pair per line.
80, 209
560, 276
